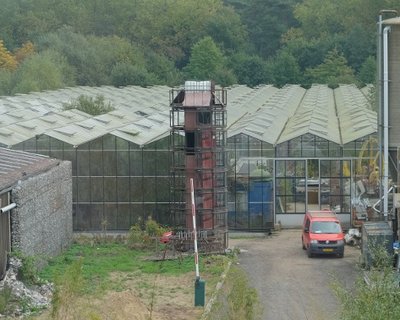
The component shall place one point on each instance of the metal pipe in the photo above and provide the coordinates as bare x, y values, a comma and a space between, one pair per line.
8, 208
385, 181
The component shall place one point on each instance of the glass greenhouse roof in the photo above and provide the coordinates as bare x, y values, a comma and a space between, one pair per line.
141, 115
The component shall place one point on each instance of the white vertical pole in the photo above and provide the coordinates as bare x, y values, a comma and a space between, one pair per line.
385, 181
196, 253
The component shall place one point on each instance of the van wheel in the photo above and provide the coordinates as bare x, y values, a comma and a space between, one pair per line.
302, 242
309, 253
340, 255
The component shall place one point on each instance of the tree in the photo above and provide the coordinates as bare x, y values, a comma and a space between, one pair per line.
7, 60
367, 74
333, 71
24, 52
266, 21
249, 69
124, 74
44, 71
284, 69
206, 59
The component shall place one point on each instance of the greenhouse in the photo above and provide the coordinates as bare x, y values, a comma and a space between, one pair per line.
287, 150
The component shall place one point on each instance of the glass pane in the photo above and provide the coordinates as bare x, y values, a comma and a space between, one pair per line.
110, 189
83, 189
96, 187
123, 188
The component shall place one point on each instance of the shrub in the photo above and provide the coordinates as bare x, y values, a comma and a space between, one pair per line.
144, 237
89, 105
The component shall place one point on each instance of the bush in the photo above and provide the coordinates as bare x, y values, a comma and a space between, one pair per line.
145, 237
376, 294
89, 105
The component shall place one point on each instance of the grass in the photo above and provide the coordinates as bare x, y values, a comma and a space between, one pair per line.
90, 271
98, 262
237, 300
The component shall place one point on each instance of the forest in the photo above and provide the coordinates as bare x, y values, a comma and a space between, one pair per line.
51, 44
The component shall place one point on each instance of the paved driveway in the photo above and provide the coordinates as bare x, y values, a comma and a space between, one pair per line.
291, 285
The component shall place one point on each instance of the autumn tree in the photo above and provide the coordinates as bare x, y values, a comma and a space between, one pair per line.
7, 60
24, 52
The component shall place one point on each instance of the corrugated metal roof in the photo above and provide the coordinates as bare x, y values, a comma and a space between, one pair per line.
141, 115
18, 165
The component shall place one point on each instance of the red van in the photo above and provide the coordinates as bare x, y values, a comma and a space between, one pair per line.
322, 234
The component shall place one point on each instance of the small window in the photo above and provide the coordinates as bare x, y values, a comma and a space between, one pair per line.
189, 142
204, 117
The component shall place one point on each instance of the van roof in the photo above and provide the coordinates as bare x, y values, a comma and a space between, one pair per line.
322, 214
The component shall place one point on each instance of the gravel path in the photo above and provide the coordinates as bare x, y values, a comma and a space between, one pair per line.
291, 285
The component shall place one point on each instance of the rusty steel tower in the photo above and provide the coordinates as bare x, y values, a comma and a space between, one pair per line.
198, 139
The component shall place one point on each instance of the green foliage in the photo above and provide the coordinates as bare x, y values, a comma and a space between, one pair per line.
5, 82
124, 74
5, 297
367, 74
28, 272
42, 71
333, 71
249, 69
150, 42
237, 300
205, 60
89, 105
284, 69
68, 285
145, 237
376, 294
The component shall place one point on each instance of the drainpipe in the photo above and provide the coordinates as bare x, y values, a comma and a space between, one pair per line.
8, 208
385, 181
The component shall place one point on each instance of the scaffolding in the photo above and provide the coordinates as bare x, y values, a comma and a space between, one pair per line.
198, 140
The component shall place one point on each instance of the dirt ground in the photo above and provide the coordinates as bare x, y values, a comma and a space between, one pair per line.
291, 285
141, 297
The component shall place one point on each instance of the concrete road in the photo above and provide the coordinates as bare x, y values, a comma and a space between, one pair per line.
291, 285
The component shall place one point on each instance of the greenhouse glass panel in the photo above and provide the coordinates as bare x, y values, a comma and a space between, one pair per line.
290, 186
124, 221
109, 142
136, 189
71, 155
97, 189
149, 210
149, 189
110, 189
164, 216
110, 221
83, 189
83, 162
137, 215
254, 147
43, 144
163, 189
163, 163
110, 163
29, 145
150, 163
122, 157
123, 189
96, 215
136, 162
96, 163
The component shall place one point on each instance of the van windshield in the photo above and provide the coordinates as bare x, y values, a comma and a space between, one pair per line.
325, 227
